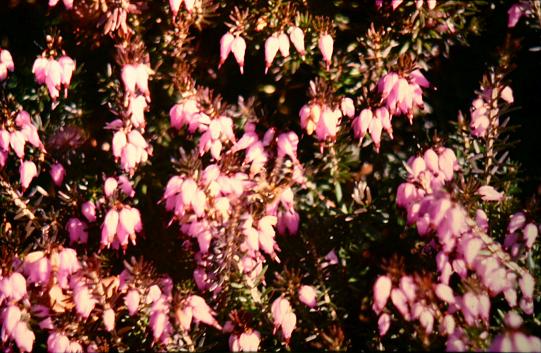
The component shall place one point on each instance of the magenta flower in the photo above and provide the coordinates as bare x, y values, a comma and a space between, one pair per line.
57, 173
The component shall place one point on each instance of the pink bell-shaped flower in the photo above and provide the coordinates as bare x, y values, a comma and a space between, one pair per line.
57, 173
297, 38
28, 172
272, 45
308, 296
325, 44
225, 47
238, 47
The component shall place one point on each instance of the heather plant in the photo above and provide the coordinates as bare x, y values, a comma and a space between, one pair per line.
193, 175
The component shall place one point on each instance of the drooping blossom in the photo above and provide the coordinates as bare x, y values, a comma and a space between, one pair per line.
325, 44
283, 317
28, 172
6, 64
297, 38
57, 173
308, 296
238, 47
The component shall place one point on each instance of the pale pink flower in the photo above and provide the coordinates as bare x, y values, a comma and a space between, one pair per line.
154, 293
384, 323
361, 123
383, 114
175, 6
328, 124
3, 71
225, 47
445, 293
57, 342
375, 128
109, 227
488, 193
75, 347
202, 312
109, 187
386, 84
132, 301
136, 110
68, 66
184, 316
57, 173
37, 267
507, 94
427, 321
516, 222
53, 77
297, 38
308, 296
288, 325
39, 69
238, 47
17, 142
325, 44
24, 337
527, 285
6, 59
4, 139
283, 44
287, 145
448, 163
272, 45
84, 302
400, 302
249, 341
348, 107
109, 319
448, 325
129, 77
189, 5
28, 172
408, 287
10, 318
142, 71
530, 233
382, 290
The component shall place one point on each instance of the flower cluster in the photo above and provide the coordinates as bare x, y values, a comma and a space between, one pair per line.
278, 41
484, 112
18, 133
463, 248
321, 119
55, 74
13, 301
122, 222
6, 63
